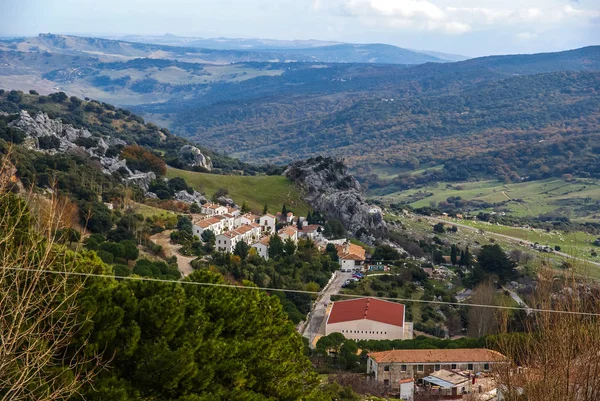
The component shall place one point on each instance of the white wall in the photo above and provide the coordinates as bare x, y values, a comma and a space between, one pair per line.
366, 329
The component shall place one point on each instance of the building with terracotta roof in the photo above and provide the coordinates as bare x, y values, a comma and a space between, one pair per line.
211, 209
268, 222
389, 367
351, 256
368, 319
312, 231
262, 247
226, 241
289, 232
214, 224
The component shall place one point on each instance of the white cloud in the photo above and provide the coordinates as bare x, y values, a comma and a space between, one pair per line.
445, 16
525, 36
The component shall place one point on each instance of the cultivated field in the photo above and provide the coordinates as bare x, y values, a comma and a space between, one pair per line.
577, 199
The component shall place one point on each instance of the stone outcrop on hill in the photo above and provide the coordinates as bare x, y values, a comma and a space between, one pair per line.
193, 157
329, 189
186, 197
58, 137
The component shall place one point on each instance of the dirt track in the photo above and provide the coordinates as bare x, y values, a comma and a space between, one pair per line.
183, 262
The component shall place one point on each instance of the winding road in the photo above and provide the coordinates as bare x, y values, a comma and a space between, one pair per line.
183, 262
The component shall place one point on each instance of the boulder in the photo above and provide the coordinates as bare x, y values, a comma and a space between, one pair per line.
142, 180
223, 200
192, 156
186, 197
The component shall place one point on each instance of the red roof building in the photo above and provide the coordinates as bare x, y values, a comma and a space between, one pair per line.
368, 319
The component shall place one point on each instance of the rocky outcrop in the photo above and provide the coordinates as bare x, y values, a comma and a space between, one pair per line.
186, 197
42, 126
41, 129
192, 156
329, 189
142, 180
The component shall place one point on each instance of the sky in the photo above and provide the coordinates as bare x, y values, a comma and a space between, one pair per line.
467, 27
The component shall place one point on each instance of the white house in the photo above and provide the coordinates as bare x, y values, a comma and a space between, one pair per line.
212, 223
211, 209
289, 232
262, 247
310, 231
227, 241
368, 319
407, 389
351, 256
268, 222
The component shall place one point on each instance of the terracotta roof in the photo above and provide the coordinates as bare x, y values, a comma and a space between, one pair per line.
290, 214
243, 229
229, 234
229, 216
265, 240
214, 206
310, 228
268, 215
356, 250
350, 251
367, 308
220, 218
290, 231
459, 355
406, 381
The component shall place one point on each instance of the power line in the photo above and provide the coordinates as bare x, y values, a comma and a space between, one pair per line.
248, 287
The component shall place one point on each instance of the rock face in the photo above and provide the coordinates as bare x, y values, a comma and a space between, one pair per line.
64, 137
42, 126
193, 157
331, 190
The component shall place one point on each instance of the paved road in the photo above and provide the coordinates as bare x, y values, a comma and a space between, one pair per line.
183, 262
518, 299
514, 239
316, 324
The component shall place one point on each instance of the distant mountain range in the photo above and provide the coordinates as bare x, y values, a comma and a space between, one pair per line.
509, 117
234, 50
327, 51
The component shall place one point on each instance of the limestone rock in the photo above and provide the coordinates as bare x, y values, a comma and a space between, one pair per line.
330, 189
193, 157
142, 180
195, 197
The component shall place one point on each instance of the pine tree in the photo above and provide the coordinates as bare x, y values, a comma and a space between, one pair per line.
461, 261
468, 259
265, 209
284, 211
453, 255
309, 219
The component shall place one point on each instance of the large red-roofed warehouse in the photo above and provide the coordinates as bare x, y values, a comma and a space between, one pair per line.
368, 319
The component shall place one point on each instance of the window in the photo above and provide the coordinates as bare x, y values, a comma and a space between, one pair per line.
386, 368
403, 368
486, 366
386, 382
436, 367
419, 368
453, 366
470, 366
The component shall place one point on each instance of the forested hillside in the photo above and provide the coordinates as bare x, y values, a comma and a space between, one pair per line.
414, 117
